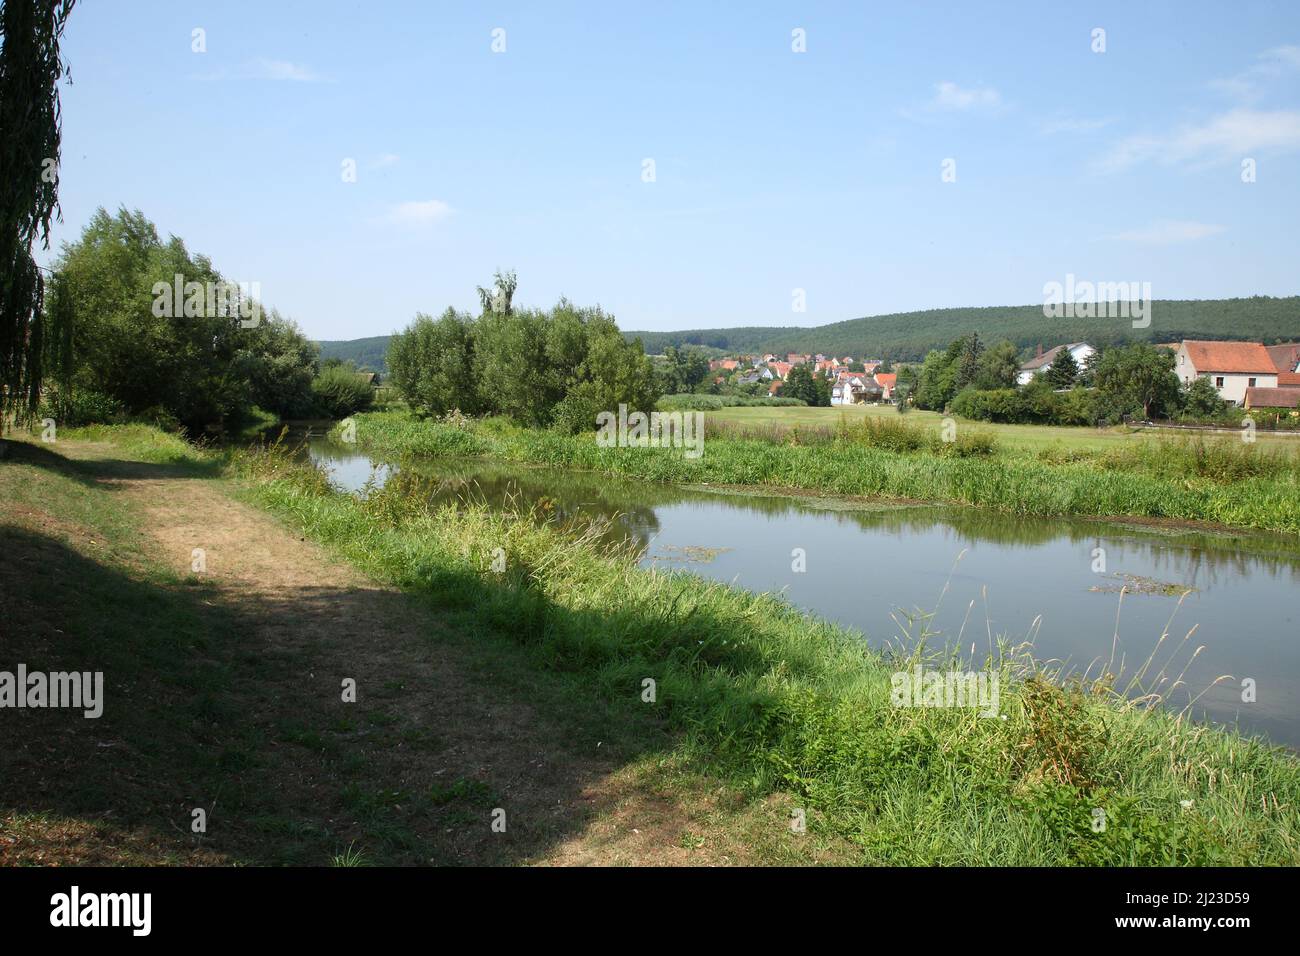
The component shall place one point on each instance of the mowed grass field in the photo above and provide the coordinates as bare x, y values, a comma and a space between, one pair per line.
1029, 439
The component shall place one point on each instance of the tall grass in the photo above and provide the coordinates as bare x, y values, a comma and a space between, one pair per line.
868, 466
774, 700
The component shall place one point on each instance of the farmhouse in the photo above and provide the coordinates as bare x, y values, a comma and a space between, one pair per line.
1041, 362
1232, 367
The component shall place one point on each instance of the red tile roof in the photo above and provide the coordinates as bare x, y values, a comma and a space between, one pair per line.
1285, 379
1239, 357
1286, 356
1273, 397
887, 379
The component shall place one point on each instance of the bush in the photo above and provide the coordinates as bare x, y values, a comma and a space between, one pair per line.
339, 392
1005, 405
84, 406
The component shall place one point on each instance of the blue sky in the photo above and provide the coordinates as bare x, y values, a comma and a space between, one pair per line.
773, 170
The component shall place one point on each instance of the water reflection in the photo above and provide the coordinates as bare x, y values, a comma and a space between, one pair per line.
870, 567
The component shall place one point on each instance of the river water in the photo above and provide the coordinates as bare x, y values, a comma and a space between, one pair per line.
972, 575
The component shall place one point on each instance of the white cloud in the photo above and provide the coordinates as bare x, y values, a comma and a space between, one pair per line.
1070, 125
1168, 231
1269, 65
419, 212
1227, 137
265, 69
950, 96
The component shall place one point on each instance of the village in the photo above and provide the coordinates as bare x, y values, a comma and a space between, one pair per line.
1249, 375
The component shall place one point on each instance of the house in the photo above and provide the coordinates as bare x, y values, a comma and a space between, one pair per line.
854, 390
782, 369
1274, 398
869, 368
1232, 367
887, 382
1041, 362
774, 388
794, 358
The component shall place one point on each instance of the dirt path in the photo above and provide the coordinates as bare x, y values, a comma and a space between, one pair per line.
433, 722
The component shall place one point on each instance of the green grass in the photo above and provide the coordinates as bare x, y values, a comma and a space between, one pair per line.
1030, 439
1058, 481
773, 700
750, 692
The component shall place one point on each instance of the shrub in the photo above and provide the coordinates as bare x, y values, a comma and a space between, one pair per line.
84, 406
340, 392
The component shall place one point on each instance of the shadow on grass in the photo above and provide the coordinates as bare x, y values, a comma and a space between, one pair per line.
102, 472
235, 706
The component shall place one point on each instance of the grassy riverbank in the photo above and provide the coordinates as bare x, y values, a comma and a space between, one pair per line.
758, 711
1219, 482
776, 702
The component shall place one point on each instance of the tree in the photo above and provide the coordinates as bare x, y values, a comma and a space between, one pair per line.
1200, 399
936, 381
432, 364
684, 369
279, 363
1134, 377
204, 367
997, 367
540, 368
968, 360
30, 139
1064, 370
501, 296
798, 384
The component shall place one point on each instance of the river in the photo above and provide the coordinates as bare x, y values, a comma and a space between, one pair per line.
976, 575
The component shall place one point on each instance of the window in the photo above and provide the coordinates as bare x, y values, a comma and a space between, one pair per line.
1250, 382
1218, 381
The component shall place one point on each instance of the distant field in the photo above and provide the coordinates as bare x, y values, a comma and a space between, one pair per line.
1027, 438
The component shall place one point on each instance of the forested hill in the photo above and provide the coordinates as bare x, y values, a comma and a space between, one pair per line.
364, 353
909, 335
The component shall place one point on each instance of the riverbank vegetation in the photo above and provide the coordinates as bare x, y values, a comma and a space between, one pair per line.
774, 701
555, 368
1224, 482
130, 348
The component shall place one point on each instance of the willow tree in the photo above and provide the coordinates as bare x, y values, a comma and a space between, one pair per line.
500, 297
30, 69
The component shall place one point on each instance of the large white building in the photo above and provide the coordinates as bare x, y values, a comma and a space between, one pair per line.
1231, 367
